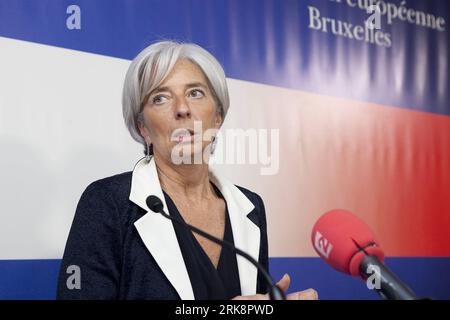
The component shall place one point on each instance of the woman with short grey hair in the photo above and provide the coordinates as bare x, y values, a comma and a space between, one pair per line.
175, 99
140, 79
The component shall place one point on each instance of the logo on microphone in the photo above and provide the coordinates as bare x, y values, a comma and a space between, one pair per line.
322, 245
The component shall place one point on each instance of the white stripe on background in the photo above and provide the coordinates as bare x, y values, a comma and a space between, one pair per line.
61, 128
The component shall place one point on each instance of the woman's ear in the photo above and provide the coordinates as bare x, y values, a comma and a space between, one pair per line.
143, 129
218, 120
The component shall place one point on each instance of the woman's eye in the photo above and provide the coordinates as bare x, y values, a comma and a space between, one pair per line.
196, 93
159, 99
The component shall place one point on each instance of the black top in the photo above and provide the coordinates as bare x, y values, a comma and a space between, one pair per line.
207, 281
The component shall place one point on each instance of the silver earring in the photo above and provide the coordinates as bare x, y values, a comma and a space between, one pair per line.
147, 155
213, 144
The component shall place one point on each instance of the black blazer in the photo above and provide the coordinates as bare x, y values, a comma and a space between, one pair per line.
111, 242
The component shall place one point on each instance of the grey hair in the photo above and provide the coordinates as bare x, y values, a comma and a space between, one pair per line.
153, 64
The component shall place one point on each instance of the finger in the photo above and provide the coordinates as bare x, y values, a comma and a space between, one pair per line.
309, 294
284, 283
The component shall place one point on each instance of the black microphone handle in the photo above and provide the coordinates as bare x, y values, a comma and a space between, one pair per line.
275, 292
391, 287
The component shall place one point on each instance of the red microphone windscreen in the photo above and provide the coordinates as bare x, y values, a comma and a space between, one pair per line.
342, 239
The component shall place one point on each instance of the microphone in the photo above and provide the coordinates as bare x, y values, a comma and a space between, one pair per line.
155, 204
348, 245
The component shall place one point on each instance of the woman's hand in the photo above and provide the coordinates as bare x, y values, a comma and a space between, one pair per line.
283, 284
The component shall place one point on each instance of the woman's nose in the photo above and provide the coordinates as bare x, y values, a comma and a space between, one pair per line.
182, 109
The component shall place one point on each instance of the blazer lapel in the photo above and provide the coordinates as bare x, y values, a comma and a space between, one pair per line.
156, 231
246, 234
159, 236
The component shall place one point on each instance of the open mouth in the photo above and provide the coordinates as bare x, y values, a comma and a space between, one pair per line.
183, 135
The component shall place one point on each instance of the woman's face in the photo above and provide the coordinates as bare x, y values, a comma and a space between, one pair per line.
170, 111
